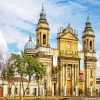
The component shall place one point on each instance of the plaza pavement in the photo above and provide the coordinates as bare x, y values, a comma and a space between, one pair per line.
51, 98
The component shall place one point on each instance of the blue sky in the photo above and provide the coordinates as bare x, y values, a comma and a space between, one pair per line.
18, 18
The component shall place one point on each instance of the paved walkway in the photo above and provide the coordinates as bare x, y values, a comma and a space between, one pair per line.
51, 98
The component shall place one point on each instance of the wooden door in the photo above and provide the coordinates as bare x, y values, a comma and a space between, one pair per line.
1, 92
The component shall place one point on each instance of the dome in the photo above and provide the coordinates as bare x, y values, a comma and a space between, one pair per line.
30, 44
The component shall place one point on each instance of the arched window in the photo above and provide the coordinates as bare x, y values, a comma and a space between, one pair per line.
38, 40
90, 44
84, 44
44, 39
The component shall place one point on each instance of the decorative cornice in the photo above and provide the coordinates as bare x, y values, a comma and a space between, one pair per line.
68, 58
42, 28
90, 59
88, 35
42, 55
40, 45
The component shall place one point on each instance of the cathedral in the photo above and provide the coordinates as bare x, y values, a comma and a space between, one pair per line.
63, 64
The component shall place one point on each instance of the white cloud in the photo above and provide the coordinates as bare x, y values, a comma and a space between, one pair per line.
19, 17
14, 36
12, 10
3, 44
4, 51
16, 17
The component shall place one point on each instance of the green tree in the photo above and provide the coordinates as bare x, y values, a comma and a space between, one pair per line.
27, 66
33, 67
8, 74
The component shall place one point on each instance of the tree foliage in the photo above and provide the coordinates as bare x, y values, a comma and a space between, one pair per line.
25, 66
8, 74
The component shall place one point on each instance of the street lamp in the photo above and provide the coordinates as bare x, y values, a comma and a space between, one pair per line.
37, 79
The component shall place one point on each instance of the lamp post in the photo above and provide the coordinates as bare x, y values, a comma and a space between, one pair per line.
37, 79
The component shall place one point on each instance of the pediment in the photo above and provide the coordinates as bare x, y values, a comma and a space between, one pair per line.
68, 29
69, 36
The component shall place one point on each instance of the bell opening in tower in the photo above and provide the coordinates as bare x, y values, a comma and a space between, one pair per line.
44, 39
84, 45
90, 45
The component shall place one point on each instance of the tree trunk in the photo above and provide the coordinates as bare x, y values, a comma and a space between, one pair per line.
23, 88
27, 86
20, 90
21, 95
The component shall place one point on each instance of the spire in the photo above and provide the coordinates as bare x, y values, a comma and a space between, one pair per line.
42, 6
88, 23
30, 37
88, 26
69, 25
88, 19
42, 20
42, 14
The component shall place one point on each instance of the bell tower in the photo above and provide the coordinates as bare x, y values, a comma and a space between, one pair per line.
42, 30
43, 51
88, 39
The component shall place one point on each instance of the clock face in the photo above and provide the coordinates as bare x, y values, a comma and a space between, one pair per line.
69, 45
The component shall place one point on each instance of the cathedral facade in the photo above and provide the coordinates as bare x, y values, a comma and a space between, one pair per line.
63, 64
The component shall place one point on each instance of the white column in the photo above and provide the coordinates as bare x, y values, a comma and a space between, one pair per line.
37, 91
64, 89
21, 90
76, 90
40, 90
63, 76
91, 90
43, 90
66, 80
5, 91
53, 89
12, 91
